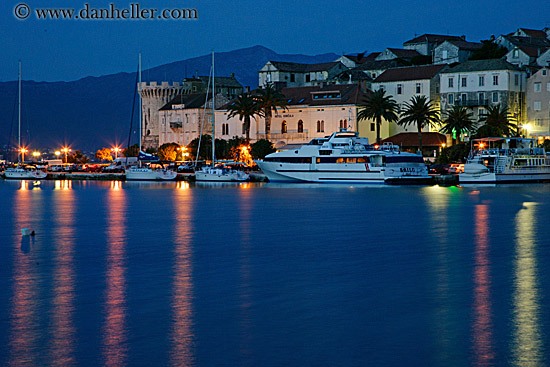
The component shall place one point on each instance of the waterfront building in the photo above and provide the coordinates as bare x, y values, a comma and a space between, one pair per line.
155, 96
404, 83
313, 112
183, 117
538, 104
292, 74
453, 51
477, 84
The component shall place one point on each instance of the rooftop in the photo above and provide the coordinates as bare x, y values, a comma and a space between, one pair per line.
465, 45
432, 38
303, 68
411, 139
410, 73
481, 65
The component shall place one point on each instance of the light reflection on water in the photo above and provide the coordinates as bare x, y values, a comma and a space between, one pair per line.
527, 347
115, 348
24, 331
457, 283
63, 333
181, 333
482, 328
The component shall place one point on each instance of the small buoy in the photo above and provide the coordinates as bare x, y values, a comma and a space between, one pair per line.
25, 232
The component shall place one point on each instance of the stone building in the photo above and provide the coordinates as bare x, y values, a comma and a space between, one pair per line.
292, 74
452, 51
538, 103
404, 83
426, 43
477, 84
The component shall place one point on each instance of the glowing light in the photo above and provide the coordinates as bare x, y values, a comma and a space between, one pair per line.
443, 145
481, 145
116, 150
57, 153
182, 185
36, 154
376, 146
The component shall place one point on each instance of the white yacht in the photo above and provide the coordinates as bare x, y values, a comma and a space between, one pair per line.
25, 173
345, 157
146, 173
505, 160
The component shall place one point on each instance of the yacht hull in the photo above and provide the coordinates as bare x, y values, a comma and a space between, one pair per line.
491, 177
149, 175
24, 175
220, 177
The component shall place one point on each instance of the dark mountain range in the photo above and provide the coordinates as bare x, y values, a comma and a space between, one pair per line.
95, 112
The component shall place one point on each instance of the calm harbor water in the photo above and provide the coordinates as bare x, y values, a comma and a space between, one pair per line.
172, 274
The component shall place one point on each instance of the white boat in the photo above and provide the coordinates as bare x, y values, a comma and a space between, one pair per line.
344, 157
142, 172
25, 173
21, 171
505, 160
146, 173
214, 173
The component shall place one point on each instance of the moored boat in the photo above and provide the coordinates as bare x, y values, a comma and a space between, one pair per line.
345, 157
505, 160
24, 172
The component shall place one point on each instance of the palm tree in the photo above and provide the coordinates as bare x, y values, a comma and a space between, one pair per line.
269, 99
377, 106
419, 112
498, 116
246, 107
458, 121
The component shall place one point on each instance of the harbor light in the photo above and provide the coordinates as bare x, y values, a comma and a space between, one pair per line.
23, 151
57, 153
65, 150
116, 150
36, 154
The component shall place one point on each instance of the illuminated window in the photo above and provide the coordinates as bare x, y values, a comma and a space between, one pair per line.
300, 126
283, 127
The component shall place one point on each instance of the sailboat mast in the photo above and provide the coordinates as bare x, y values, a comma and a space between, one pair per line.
19, 118
213, 115
139, 91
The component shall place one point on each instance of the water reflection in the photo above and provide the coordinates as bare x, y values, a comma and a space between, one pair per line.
245, 296
24, 325
482, 328
63, 185
181, 353
527, 348
438, 199
63, 333
115, 348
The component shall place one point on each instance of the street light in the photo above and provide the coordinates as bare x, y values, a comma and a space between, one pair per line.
23, 151
65, 150
116, 150
57, 153
527, 128
36, 154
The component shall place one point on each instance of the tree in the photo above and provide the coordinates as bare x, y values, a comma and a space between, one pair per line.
168, 151
206, 148
499, 117
261, 148
377, 106
458, 121
104, 154
489, 50
420, 112
269, 99
246, 107
131, 151
77, 157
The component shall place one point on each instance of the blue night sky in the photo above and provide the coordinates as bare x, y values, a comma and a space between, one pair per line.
54, 50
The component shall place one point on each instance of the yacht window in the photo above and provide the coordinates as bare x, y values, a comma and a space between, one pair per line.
340, 160
351, 160
362, 160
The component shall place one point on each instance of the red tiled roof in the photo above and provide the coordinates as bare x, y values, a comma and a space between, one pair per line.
535, 33
465, 45
400, 52
410, 73
411, 139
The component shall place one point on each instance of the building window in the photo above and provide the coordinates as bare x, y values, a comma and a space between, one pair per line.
451, 82
372, 126
308, 78
538, 122
495, 97
516, 79
463, 98
481, 98
537, 105
464, 82
300, 126
515, 54
538, 87
345, 124
495, 79
292, 78
451, 98
444, 55
382, 88
399, 88
544, 72
283, 127
418, 88
481, 80
481, 111
318, 126
322, 126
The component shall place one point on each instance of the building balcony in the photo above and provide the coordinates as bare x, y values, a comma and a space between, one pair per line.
472, 102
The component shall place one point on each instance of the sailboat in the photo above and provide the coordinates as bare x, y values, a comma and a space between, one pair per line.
141, 172
21, 171
218, 173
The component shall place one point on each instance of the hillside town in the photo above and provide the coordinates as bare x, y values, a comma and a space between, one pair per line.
508, 74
